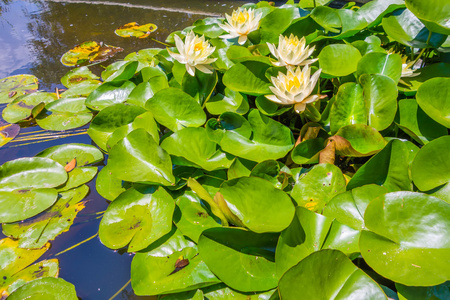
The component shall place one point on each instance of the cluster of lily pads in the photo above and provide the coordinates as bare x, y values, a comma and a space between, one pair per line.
233, 173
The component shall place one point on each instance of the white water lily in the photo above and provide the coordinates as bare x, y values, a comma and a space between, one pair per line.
240, 24
291, 51
194, 53
295, 87
407, 70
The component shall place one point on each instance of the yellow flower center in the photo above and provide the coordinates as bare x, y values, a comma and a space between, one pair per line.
199, 46
292, 43
293, 81
241, 17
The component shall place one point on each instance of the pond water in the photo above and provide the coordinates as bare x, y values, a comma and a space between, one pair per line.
33, 36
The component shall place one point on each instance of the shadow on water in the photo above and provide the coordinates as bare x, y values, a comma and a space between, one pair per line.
33, 36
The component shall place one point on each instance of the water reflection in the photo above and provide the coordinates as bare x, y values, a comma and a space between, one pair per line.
34, 34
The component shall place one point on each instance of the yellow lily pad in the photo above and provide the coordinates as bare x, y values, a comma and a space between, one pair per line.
136, 30
8, 132
14, 86
88, 53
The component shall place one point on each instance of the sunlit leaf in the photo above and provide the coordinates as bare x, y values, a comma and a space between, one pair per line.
88, 53
17, 85
136, 30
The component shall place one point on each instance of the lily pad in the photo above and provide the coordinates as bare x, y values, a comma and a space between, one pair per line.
428, 72
381, 63
109, 93
176, 109
23, 107
438, 292
407, 241
137, 217
328, 274
194, 217
35, 233
259, 138
120, 70
193, 145
138, 158
83, 89
339, 59
431, 167
177, 264
45, 288
107, 185
432, 97
63, 154
8, 132
44, 268
136, 30
434, 14
349, 207
247, 253
64, 114
16, 86
111, 118
416, 123
232, 101
310, 232
88, 53
77, 177
317, 187
388, 168
78, 76
248, 77
358, 141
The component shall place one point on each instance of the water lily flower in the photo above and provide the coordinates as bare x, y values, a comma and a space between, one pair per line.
240, 24
294, 87
291, 51
194, 53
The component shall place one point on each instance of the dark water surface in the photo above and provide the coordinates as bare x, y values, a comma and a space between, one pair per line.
33, 36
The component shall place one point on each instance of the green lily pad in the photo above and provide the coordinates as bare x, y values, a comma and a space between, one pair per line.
176, 109
138, 158
78, 76
15, 86
407, 241
193, 145
275, 172
45, 288
194, 217
269, 139
434, 14
439, 292
200, 86
349, 207
430, 167
328, 274
83, 89
145, 121
145, 57
388, 168
138, 218
307, 152
8, 132
109, 93
77, 177
389, 65
88, 53
174, 266
428, 72
23, 107
64, 114
416, 123
22, 204
432, 97
248, 77
107, 185
349, 107
339, 59
154, 81
317, 187
310, 232
136, 30
111, 118
44, 268
327, 17
247, 253
63, 154
31, 173
120, 70
249, 197
35, 233
404, 27
358, 140
232, 101
375, 10
220, 292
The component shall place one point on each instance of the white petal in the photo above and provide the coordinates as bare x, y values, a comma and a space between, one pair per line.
204, 68
190, 69
242, 39
299, 107
274, 99
179, 43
